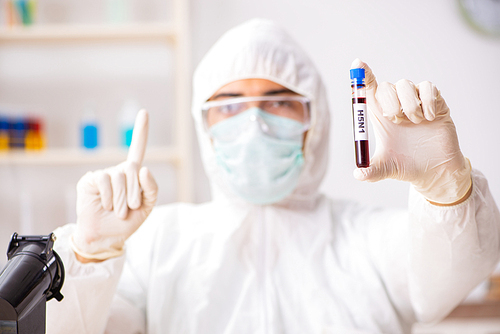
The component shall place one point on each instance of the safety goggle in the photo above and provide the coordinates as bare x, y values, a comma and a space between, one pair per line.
292, 107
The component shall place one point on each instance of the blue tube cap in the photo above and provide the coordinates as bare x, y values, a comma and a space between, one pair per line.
358, 73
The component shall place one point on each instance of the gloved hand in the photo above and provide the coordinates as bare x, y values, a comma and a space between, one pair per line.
416, 140
113, 203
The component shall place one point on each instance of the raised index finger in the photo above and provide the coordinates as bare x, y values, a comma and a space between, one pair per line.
139, 138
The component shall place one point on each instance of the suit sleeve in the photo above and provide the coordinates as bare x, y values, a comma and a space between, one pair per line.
452, 249
88, 291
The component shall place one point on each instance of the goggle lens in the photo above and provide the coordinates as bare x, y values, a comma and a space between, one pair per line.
292, 107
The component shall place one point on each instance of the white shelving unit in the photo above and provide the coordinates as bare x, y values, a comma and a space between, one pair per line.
176, 35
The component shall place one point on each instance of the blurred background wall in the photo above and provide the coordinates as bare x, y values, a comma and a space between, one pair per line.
415, 40
419, 40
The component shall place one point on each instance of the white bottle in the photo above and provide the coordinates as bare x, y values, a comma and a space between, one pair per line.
118, 11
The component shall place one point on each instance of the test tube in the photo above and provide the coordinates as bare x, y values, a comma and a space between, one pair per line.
34, 139
4, 133
360, 117
17, 133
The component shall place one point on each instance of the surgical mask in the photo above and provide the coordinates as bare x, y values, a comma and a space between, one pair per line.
260, 168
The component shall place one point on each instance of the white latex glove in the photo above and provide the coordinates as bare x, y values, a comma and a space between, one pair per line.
113, 203
416, 140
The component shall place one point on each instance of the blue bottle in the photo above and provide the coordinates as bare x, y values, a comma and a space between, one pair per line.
17, 132
89, 130
129, 111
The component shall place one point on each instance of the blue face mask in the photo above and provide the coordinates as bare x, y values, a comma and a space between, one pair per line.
260, 168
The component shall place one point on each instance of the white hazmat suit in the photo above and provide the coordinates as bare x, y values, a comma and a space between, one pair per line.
307, 264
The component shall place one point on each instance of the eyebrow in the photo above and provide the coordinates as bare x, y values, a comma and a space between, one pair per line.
280, 91
225, 95
268, 93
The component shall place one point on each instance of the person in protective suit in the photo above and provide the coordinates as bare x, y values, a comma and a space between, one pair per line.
269, 253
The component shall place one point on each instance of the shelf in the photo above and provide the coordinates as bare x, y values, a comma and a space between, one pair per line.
66, 157
486, 309
94, 32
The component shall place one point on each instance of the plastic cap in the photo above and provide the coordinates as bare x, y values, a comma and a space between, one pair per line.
4, 123
358, 73
34, 124
19, 124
